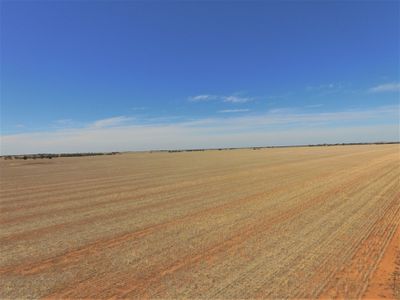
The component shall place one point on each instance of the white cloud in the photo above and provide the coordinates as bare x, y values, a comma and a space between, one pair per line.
276, 127
229, 98
200, 98
110, 122
236, 99
387, 87
233, 110
180, 137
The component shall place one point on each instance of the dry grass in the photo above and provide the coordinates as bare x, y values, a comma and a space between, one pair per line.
273, 223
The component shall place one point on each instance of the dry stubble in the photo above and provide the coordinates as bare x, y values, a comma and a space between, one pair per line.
273, 223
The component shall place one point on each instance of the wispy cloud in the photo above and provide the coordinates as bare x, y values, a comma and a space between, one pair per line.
279, 127
288, 117
386, 87
200, 98
234, 110
110, 122
236, 99
224, 98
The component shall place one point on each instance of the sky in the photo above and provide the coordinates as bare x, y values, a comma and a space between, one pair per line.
87, 76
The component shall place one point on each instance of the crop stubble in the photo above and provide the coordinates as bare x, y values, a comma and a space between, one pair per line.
272, 223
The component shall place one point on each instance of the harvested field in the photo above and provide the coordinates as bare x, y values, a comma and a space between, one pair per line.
317, 222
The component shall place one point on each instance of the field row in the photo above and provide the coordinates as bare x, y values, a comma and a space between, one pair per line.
272, 223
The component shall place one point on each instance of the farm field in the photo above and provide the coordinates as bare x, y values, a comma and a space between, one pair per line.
309, 222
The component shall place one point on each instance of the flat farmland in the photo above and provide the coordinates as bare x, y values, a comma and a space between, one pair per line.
309, 222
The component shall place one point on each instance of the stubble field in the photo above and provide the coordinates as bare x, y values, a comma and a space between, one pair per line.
318, 222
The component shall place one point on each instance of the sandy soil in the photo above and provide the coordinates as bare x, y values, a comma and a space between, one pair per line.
320, 222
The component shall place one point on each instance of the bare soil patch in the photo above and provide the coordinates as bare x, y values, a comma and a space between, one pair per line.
320, 222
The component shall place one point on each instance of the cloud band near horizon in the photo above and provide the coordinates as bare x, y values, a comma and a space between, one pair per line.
278, 127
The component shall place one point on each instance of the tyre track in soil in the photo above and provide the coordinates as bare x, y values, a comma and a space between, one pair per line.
76, 255
117, 181
144, 192
289, 266
139, 286
350, 273
293, 271
385, 280
139, 289
119, 214
53, 188
124, 212
75, 209
119, 184
331, 261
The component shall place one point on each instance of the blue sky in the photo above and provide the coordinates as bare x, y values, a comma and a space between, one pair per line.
136, 75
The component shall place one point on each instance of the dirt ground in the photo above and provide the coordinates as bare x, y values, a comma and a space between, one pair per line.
312, 222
